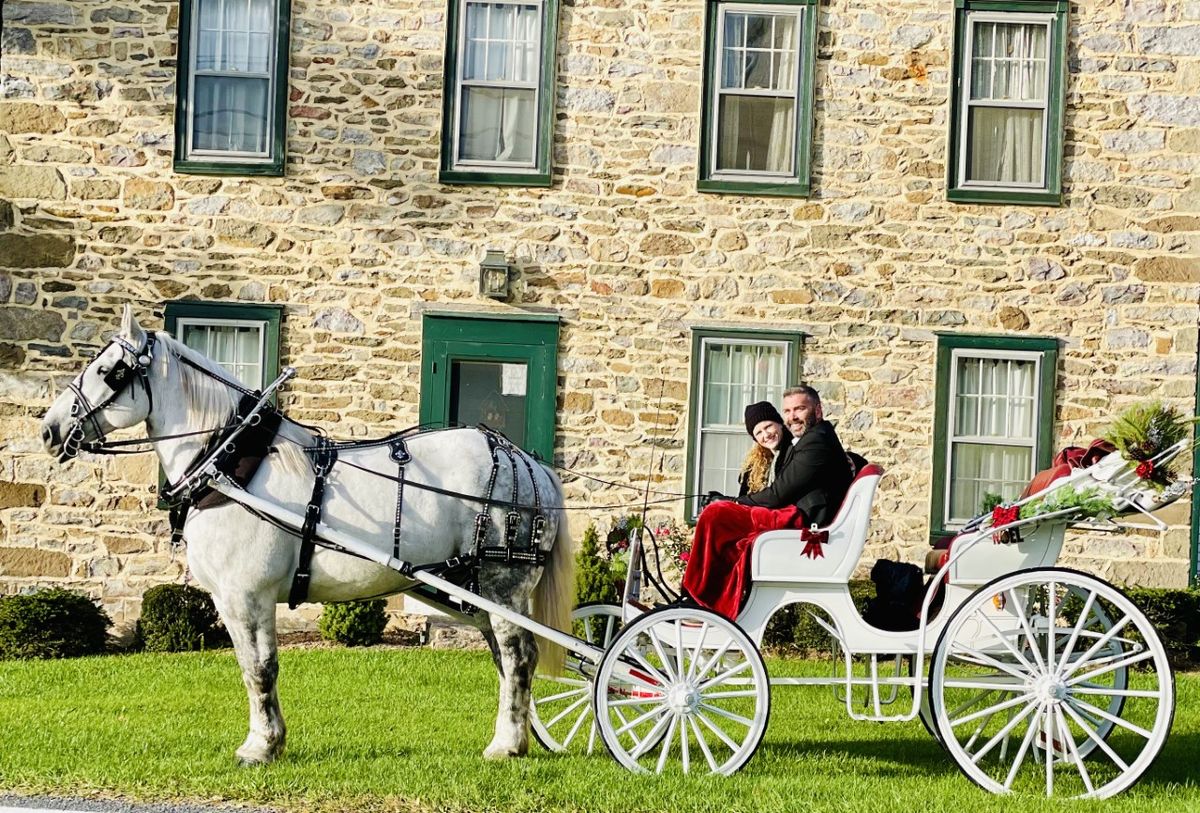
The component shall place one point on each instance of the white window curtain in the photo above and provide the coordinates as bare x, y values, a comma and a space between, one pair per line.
500, 69
1007, 105
754, 128
238, 347
232, 56
734, 374
993, 431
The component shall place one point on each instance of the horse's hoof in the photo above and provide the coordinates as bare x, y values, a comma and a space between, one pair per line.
251, 754
503, 752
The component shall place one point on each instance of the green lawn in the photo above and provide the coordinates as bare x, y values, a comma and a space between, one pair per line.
377, 730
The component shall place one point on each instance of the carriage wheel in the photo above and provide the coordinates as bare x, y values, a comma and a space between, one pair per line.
682, 688
1063, 714
561, 708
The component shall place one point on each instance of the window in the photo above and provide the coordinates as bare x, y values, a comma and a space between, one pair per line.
729, 371
242, 338
757, 110
231, 85
1006, 131
499, 97
992, 428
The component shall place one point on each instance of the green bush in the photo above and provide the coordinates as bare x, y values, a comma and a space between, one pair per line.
52, 623
354, 623
178, 618
593, 573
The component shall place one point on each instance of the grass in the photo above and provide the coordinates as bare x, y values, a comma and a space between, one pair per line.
388, 730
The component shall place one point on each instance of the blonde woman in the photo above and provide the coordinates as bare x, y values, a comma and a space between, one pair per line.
765, 425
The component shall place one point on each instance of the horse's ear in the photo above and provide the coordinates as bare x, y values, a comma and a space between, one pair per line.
130, 328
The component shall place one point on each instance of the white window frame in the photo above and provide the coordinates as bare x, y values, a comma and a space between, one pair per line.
966, 104
460, 164
231, 156
183, 322
952, 414
701, 431
719, 60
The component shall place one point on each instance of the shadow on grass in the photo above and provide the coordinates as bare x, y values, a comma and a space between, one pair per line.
907, 757
1176, 765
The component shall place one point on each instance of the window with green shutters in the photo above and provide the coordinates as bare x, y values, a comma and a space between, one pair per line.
498, 102
1006, 132
241, 337
993, 424
757, 104
231, 87
731, 369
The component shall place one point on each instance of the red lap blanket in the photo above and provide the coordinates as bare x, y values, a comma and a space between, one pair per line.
718, 570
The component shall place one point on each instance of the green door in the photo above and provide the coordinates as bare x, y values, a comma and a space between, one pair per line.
501, 372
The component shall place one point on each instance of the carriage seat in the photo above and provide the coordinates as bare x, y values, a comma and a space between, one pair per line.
777, 555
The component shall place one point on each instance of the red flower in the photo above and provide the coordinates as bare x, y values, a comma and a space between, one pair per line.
1005, 514
1144, 470
685, 556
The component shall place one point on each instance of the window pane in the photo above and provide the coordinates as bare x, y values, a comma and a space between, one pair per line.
759, 52
231, 114
1009, 61
979, 469
235, 35
721, 456
755, 134
502, 43
995, 398
1006, 145
497, 125
478, 395
237, 348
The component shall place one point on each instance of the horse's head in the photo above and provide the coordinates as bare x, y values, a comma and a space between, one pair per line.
104, 397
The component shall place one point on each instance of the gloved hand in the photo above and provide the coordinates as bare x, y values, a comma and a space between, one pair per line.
712, 497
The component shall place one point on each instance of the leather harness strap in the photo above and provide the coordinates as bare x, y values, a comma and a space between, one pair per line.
323, 458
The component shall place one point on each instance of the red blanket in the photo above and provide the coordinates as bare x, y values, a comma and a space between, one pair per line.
718, 570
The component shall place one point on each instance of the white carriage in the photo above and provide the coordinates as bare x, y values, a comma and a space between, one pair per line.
1031, 676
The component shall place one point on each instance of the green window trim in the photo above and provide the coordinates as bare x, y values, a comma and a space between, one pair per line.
533, 340
799, 184
273, 164
795, 343
1050, 193
1044, 450
272, 315
541, 174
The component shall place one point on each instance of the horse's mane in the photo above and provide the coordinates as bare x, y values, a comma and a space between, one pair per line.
211, 402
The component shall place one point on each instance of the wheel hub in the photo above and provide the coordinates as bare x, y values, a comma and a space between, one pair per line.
1050, 689
683, 698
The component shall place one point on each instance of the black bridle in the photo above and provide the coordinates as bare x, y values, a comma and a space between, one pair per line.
119, 378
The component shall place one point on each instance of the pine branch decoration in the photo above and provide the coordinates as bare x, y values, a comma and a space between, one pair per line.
1145, 430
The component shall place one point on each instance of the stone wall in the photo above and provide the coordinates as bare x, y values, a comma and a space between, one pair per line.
359, 238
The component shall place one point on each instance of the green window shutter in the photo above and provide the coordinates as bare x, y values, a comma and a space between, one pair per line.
993, 421
497, 110
759, 61
1006, 114
730, 369
207, 83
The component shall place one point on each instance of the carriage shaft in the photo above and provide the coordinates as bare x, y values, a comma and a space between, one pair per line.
294, 520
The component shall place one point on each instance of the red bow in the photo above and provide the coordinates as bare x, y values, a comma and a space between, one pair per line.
813, 540
1004, 515
1144, 470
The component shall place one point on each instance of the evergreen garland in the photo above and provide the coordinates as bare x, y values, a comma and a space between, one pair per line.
1145, 430
1089, 503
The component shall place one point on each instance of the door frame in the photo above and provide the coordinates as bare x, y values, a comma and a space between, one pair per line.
465, 336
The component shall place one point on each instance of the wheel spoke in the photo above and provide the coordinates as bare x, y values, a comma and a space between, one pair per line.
1004, 640
728, 673
733, 746
1048, 734
734, 693
645, 664
637, 701
1029, 636
982, 683
728, 715
666, 746
583, 715
1101, 641
553, 720
716, 657
563, 695
683, 744
1094, 737
1051, 625
1002, 733
1007, 704
1112, 667
988, 660
651, 738
703, 634
1092, 688
703, 743
662, 655
1080, 705
1019, 757
1080, 625
1073, 749
637, 721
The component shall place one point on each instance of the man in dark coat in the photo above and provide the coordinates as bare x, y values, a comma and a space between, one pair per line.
811, 479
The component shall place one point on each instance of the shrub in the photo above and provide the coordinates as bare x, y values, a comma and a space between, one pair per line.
593, 572
178, 618
354, 623
1175, 615
52, 623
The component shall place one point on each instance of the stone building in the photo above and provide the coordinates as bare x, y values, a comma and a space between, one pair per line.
974, 226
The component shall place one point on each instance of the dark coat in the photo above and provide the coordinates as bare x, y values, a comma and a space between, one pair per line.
812, 474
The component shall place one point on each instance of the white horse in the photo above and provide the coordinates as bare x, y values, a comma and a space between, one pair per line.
247, 563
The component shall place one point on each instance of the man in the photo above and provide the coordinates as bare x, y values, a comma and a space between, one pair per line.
812, 476
813, 472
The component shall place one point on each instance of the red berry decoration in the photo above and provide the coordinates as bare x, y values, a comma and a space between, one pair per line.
1144, 470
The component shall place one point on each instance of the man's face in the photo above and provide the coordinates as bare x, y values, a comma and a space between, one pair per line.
800, 413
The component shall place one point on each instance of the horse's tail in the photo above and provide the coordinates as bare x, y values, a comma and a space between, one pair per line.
554, 594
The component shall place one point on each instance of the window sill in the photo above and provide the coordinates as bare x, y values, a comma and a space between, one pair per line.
267, 169
1015, 197
492, 178
759, 189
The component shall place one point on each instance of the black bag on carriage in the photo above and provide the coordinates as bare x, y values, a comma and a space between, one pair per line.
898, 592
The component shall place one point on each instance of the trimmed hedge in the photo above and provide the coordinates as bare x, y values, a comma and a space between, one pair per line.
593, 574
52, 623
178, 618
354, 623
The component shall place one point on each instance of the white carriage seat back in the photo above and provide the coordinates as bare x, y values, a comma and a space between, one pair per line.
778, 556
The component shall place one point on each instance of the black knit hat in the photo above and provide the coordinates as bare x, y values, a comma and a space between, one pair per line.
759, 412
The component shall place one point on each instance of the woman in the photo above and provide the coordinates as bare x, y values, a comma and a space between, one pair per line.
765, 425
